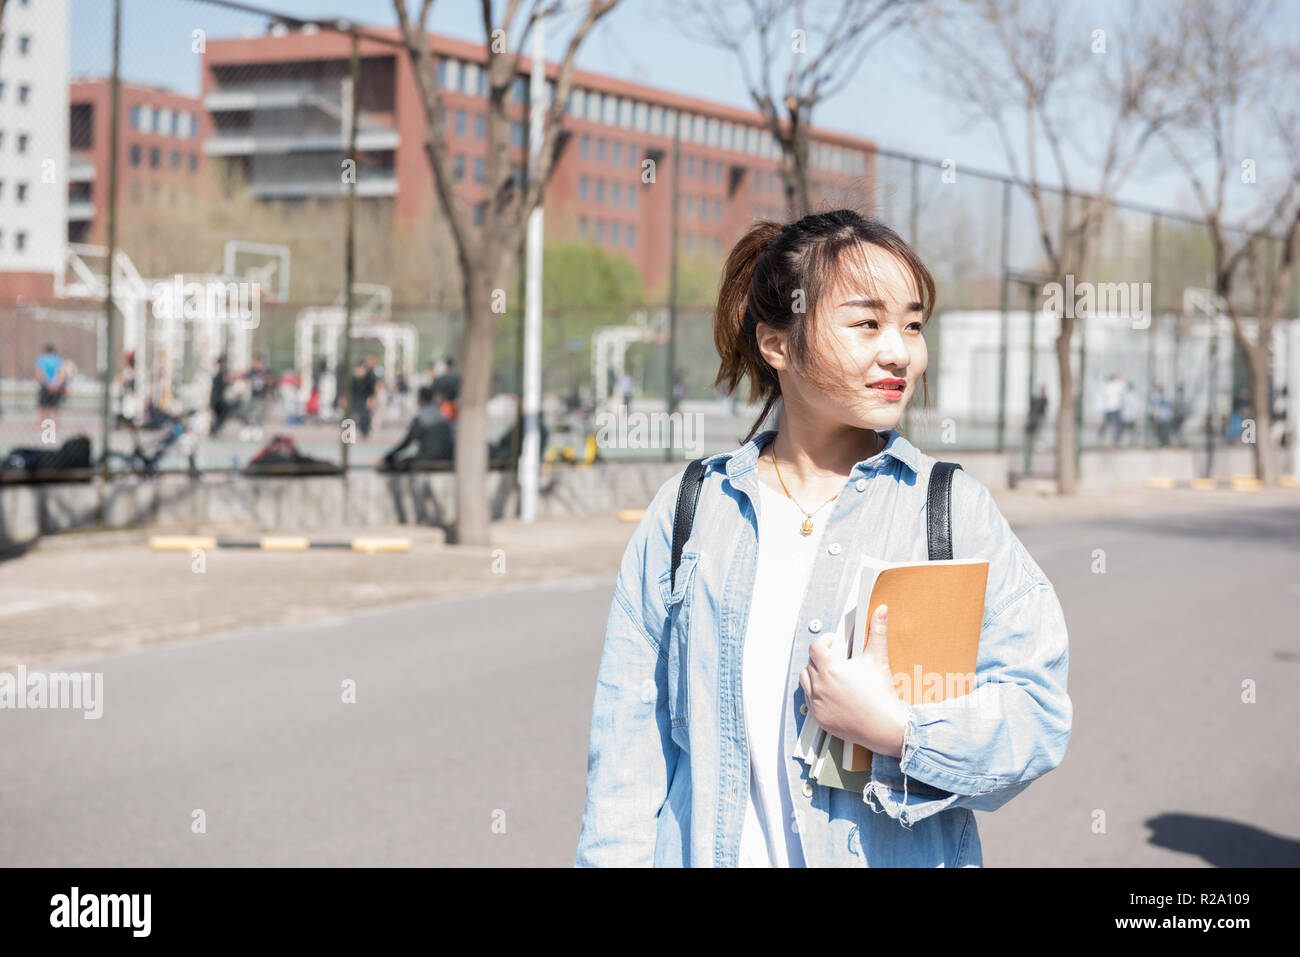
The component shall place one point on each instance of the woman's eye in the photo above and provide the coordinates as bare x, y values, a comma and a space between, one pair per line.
915, 325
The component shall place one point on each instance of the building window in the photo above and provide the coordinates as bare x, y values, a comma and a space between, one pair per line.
618, 154
690, 167
632, 157
469, 77
480, 126
611, 110
584, 146
582, 227
641, 117
688, 203
20, 242
704, 169
23, 91
480, 213
616, 193
631, 236
717, 172
613, 234
155, 157
458, 166
175, 159
517, 133
157, 119
717, 210
593, 107
656, 119
600, 191
600, 150
582, 188
600, 231
22, 142
135, 154
758, 180
577, 105
480, 170
2, 90
460, 122
24, 44
631, 197
20, 192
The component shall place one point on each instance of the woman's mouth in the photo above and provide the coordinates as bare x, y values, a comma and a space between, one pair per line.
891, 390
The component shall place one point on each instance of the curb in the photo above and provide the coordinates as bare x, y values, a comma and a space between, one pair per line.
1238, 483
274, 543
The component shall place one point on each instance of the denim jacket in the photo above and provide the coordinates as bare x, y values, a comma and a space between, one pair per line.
668, 759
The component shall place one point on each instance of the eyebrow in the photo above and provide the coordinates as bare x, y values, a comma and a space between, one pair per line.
878, 304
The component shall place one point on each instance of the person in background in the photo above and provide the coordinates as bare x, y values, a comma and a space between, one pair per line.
1037, 413
1162, 414
260, 382
52, 373
1112, 401
1130, 410
430, 431
363, 384
217, 403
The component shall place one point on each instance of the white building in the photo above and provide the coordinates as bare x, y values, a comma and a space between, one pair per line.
33, 147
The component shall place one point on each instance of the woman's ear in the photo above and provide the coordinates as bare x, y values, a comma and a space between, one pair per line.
772, 346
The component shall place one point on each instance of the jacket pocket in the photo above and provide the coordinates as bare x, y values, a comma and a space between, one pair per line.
677, 599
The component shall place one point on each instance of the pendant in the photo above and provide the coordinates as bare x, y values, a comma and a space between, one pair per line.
806, 527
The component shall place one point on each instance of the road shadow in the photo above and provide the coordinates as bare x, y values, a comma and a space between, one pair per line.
1222, 843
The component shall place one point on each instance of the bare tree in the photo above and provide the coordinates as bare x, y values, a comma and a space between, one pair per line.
488, 254
819, 51
1236, 81
1072, 85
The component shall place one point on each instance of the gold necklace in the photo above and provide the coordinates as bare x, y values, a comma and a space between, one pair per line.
807, 525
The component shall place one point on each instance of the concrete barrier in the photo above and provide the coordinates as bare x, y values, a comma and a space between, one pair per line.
366, 498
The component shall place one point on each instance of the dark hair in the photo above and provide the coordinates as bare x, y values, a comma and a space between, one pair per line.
763, 277
425, 395
49, 347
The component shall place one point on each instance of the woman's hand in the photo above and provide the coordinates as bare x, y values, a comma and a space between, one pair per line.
854, 698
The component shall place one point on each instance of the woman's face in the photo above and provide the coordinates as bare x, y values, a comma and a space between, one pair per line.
869, 339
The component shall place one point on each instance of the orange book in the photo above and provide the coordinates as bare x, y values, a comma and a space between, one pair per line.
936, 610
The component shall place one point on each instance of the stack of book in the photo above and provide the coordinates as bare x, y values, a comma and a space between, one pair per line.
936, 609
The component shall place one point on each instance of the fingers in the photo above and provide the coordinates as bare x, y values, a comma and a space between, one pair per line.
805, 682
877, 645
820, 651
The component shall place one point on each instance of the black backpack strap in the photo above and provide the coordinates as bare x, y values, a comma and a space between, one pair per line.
688, 494
938, 510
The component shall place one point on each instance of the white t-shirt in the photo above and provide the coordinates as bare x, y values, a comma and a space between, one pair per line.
785, 559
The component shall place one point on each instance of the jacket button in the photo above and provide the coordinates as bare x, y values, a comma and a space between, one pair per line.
803, 709
834, 548
807, 789
815, 625
861, 485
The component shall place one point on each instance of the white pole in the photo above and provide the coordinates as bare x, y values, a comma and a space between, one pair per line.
530, 448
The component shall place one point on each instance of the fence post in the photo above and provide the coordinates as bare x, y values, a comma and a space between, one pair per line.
109, 324
1006, 317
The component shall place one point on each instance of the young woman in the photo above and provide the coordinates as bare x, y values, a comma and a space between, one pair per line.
707, 676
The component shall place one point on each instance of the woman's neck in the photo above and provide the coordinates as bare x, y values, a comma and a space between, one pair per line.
816, 460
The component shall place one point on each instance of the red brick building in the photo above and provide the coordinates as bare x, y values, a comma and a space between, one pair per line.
277, 110
160, 152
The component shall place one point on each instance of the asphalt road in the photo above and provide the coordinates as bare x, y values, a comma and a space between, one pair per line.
466, 742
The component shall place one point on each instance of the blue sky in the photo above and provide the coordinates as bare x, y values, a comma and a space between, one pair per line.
891, 99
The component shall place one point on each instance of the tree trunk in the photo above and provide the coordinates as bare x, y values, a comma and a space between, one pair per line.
473, 514
1264, 454
1066, 476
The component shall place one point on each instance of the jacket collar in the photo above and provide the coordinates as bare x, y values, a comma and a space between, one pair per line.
742, 460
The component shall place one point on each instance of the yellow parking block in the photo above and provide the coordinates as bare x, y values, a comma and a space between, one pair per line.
181, 543
1203, 484
284, 543
1290, 481
372, 545
1245, 483
1161, 483
630, 514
